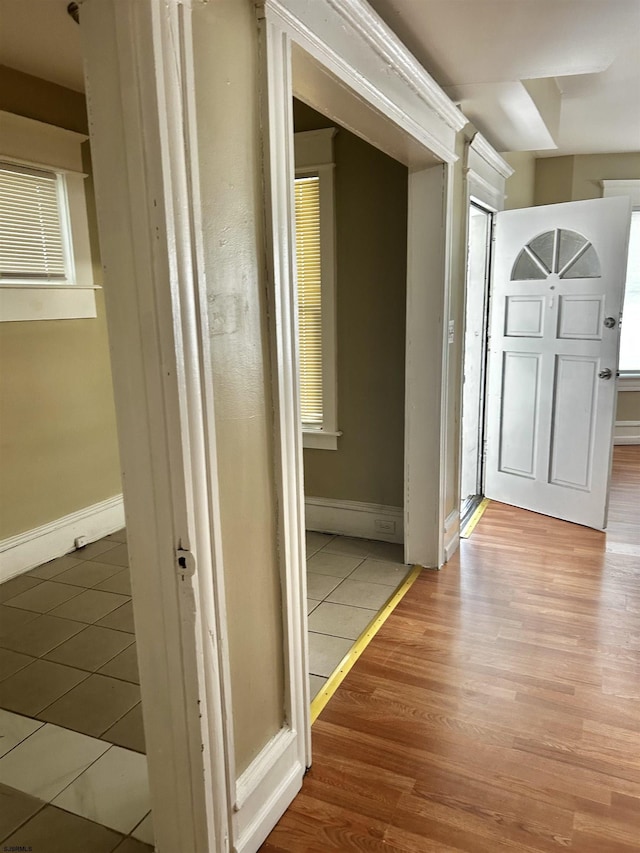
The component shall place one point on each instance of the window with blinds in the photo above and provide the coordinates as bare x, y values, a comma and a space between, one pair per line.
308, 256
32, 240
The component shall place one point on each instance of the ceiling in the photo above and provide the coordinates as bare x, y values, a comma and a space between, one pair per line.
550, 76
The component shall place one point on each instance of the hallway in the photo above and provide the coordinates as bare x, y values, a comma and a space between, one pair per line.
499, 705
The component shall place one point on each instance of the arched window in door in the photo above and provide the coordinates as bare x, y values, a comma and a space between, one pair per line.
563, 252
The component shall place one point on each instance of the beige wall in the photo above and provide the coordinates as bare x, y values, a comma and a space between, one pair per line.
230, 156
58, 445
520, 187
576, 178
371, 226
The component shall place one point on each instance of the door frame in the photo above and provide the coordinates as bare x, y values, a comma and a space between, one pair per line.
474, 202
344, 61
486, 174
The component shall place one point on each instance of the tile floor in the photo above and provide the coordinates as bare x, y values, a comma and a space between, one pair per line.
348, 582
73, 774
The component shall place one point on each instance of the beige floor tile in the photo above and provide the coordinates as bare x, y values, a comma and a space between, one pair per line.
44, 597
311, 605
325, 653
340, 620
128, 731
144, 830
12, 618
54, 567
49, 760
118, 536
315, 541
15, 808
87, 574
93, 706
319, 586
348, 545
11, 662
91, 648
335, 565
90, 605
120, 619
118, 556
95, 549
22, 583
114, 791
361, 594
14, 728
391, 551
38, 685
39, 635
120, 583
53, 830
123, 665
377, 571
316, 683
132, 845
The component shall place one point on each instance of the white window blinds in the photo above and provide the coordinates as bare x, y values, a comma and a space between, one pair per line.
32, 245
307, 200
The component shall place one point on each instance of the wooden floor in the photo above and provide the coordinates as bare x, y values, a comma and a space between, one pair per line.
499, 706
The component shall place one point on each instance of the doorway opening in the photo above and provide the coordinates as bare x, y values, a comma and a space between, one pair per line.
480, 223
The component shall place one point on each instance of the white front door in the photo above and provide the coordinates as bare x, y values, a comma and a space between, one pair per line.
557, 290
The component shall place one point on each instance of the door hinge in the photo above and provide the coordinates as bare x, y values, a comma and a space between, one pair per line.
185, 562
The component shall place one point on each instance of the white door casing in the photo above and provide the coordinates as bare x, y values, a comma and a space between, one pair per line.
558, 280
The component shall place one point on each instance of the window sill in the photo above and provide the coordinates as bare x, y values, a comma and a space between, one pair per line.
315, 439
46, 302
630, 382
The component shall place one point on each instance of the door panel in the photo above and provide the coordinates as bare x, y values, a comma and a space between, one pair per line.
558, 280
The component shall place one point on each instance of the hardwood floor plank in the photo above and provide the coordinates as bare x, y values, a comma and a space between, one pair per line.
498, 708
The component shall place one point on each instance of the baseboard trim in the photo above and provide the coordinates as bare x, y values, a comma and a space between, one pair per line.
627, 432
29, 549
265, 790
451, 534
353, 518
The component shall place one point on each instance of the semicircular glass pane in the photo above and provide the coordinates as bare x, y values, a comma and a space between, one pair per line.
586, 265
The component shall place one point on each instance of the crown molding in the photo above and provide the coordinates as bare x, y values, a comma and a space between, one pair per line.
488, 153
383, 40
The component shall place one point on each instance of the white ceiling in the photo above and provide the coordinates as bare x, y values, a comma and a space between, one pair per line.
553, 76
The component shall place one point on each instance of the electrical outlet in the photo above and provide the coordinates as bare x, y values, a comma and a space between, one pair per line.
384, 525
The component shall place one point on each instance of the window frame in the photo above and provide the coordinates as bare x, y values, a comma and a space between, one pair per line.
30, 144
628, 380
314, 158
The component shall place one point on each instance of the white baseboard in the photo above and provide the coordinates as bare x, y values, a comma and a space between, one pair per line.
352, 518
451, 534
33, 547
265, 790
627, 432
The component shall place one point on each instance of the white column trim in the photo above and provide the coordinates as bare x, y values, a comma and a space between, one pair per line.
138, 60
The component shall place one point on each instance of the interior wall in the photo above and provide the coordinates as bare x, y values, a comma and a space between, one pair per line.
371, 267
230, 161
520, 187
58, 442
574, 178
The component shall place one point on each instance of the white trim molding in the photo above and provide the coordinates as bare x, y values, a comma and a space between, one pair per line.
627, 432
486, 173
451, 534
374, 68
354, 518
630, 188
41, 544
